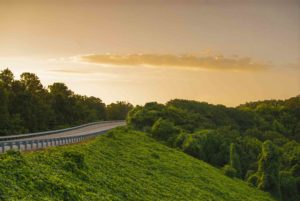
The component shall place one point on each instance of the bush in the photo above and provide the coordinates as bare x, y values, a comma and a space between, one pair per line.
164, 130
229, 171
249, 174
253, 180
179, 140
74, 157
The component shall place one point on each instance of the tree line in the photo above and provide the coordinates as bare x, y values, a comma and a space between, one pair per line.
27, 106
257, 142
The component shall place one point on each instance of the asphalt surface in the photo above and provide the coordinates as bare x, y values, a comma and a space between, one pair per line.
80, 131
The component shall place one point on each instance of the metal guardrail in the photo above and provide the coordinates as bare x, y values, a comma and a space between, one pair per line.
21, 136
24, 145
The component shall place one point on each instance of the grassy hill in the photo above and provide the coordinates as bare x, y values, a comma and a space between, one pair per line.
121, 165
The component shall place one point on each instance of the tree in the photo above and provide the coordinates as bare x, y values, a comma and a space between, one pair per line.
36, 112
208, 145
32, 83
4, 115
60, 89
235, 160
7, 78
268, 169
143, 118
96, 104
288, 186
62, 104
118, 110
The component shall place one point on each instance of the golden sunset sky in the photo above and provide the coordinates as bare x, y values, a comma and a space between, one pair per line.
219, 51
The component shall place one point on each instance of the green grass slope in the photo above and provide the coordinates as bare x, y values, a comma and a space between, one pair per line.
120, 165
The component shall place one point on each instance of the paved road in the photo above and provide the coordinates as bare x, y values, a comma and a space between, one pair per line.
56, 138
104, 126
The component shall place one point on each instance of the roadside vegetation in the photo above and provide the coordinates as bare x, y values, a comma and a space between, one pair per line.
120, 165
255, 142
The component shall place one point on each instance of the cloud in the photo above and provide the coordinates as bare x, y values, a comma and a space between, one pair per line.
76, 71
217, 62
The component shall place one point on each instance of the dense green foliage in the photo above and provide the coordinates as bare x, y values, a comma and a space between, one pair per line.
27, 106
118, 110
120, 165
268, 169
238, 140
235, 160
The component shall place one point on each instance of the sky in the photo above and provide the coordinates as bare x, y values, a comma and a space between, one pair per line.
219, 51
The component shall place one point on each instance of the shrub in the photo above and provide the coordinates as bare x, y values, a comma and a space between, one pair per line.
164, 130
229, 171
253, 180
74, 157
179, 140
249, 174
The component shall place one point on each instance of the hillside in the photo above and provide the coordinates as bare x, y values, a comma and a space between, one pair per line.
248, 142
121, 165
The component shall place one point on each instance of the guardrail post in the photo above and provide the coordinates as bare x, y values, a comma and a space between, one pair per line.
30, 143
10, 145
36, 144
2, 147
25, 145
18, 145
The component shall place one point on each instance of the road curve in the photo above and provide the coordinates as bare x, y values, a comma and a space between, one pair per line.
99, 127
41, 140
